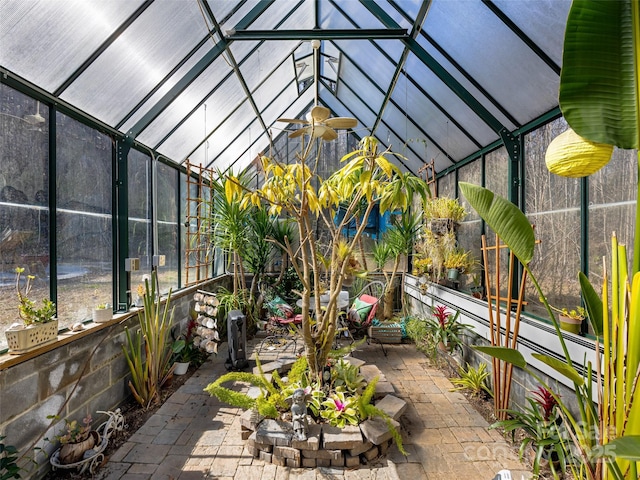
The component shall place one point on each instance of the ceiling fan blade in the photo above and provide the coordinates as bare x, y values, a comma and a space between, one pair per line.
299, 132
329, 134
319, 113
293, 120
341, 122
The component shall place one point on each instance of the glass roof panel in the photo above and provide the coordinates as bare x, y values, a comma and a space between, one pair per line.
138, 59
529, 85
224, 144
368, 58
220, 104
279, 87
420, 108
346, 15
45, 41
360, 83
465, 82
267, 57
221, 71
543, 21
443, 132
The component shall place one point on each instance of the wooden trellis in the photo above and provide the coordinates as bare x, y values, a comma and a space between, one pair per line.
429, 170
199, 255
503, 329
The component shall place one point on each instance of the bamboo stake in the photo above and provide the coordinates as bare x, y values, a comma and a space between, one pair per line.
500, 392
487, 281
507, 322
514, 340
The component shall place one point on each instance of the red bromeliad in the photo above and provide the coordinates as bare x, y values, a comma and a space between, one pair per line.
546, 400
442, 314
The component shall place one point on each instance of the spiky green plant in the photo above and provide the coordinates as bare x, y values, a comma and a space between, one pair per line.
148, 349
473, 379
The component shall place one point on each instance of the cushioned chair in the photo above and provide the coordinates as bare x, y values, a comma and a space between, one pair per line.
364, 308
280, 321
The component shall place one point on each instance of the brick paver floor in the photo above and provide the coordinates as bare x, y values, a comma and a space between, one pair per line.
195, 436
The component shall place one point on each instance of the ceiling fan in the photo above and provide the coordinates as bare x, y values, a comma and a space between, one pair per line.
317, 122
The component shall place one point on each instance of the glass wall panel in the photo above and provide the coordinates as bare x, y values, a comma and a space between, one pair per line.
84, 230
612, 204
446, 186
497, 180
140, 244
470, 230
553, 205
24, 200
182, 258
167, 225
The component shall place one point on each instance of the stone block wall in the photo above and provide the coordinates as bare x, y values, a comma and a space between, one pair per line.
84, 372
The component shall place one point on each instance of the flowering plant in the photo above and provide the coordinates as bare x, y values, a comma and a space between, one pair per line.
75, 431
27, 309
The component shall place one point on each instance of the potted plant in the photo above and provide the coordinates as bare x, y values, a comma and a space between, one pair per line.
185, 350
540, 426
76, 439
39, 325
442, 214
444, 329
102, 313
571, 320
457, 262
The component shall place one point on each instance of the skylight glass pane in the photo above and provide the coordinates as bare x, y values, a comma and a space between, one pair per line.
420, 108
273, 89
475, 92
262, 61
368, 58
138, 60
356, 13
45, 41
543, 21
214, 73
355, 107
360, 85
227, 132
529, 87
220, 105
446, 134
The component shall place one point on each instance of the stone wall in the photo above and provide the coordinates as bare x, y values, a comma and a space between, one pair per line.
82, 373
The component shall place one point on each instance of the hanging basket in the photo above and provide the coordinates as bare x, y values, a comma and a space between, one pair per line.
24, 339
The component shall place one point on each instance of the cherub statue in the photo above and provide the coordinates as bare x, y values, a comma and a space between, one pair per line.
299, 414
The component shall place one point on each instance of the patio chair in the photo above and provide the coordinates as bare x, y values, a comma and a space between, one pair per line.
364, 308
281, 320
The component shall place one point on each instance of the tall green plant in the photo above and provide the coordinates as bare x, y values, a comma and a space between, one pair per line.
148, 349
593, 446
291, 190
400, 238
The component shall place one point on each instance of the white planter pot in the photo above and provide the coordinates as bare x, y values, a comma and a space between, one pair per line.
180, 368
24, 339
101, 315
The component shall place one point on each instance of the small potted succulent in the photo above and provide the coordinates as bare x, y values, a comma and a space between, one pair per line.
102, 313
39, 324
571, 320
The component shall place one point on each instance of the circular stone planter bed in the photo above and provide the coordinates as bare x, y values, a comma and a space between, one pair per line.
273, 441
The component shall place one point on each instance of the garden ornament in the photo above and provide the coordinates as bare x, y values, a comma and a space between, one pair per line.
299, 414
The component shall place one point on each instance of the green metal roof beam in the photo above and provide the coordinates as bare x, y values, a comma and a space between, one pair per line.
194, 72
320, 34
440, 71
